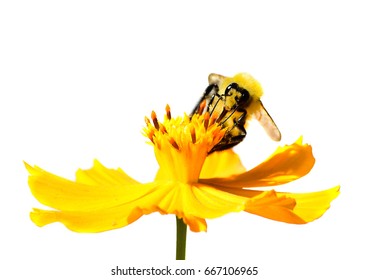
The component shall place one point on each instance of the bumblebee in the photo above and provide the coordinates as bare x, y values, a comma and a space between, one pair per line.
234, 101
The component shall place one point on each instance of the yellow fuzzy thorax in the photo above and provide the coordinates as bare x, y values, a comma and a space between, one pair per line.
247, 82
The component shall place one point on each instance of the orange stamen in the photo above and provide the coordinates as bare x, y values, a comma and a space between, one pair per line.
174, 143
155, 120
213, 118
167, 109
162, 129
150, 135
201, 107
147, 121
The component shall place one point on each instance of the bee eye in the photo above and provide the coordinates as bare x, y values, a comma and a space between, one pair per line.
245, 95
231, 86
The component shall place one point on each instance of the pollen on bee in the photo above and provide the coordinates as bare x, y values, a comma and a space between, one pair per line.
167, 110
174, 143
155, 120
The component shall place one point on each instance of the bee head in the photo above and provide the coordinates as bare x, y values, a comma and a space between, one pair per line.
241, 81
245, 81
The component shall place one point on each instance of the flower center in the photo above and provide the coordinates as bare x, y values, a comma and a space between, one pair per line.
182, 144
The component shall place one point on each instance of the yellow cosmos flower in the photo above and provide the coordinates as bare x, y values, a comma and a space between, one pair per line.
190, 183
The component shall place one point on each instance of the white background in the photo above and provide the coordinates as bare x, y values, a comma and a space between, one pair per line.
77, 78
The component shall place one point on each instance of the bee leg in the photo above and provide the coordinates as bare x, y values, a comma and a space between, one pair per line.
221, 116
235, 134
238, 131
210, 91
241, 120
211, 106
229, 142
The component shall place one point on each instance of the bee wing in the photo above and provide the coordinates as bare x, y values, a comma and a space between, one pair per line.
266, 121
215, 78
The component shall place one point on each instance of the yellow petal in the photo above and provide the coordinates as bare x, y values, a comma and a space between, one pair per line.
288, 207
272, 206
108, 201
222, 164
195, 224
63, 194
100, 175
88, 221
103, 215
286, 164
311, 206
193, 203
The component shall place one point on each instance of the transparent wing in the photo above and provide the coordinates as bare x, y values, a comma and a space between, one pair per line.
266, 121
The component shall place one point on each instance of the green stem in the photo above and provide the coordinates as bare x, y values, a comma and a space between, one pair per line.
181, 239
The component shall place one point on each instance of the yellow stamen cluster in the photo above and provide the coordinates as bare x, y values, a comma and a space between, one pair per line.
181, 144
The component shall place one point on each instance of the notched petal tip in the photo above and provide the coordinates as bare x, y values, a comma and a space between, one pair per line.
311, 206
196, 225
28, 166
43, 217
308, 206
32, 170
